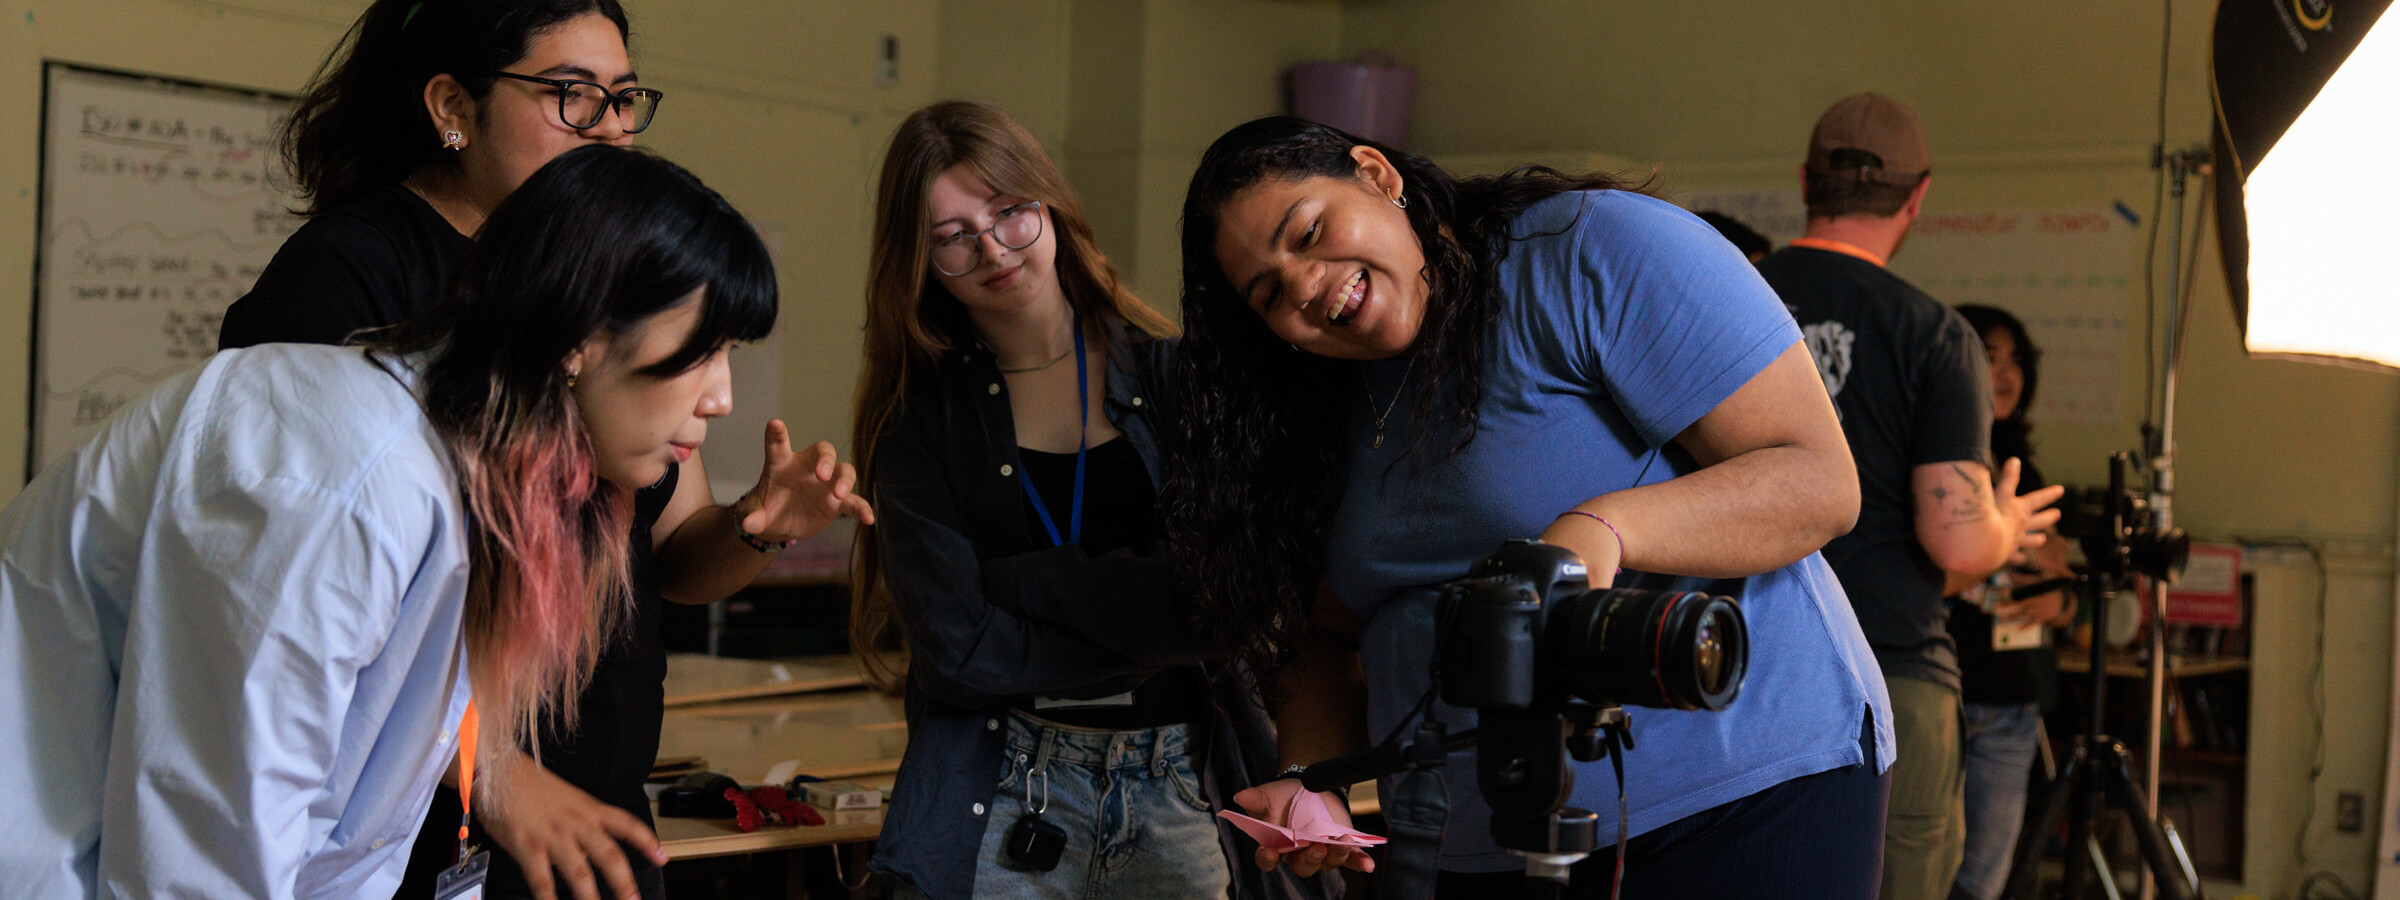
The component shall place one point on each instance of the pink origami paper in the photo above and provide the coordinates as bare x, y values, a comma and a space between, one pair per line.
1311, 824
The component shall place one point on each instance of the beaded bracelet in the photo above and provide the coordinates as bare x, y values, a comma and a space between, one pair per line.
762, 546
1612, 530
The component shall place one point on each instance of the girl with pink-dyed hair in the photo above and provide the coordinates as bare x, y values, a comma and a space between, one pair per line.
242, 626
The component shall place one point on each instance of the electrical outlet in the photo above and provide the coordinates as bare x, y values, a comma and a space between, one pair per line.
2350, 811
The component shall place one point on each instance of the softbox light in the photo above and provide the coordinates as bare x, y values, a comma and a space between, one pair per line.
2308, 125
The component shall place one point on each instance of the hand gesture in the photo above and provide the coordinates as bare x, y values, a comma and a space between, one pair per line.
1272, 802
798, 494
549, 824
2028, 515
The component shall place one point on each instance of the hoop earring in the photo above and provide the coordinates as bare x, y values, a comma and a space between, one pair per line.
570, 381
452, 140
1399, 201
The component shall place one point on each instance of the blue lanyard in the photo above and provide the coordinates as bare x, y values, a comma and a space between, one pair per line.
1083, 403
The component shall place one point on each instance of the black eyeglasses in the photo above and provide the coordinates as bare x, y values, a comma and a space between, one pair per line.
581, 104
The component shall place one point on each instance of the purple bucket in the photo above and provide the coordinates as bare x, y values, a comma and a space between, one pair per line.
1365, 97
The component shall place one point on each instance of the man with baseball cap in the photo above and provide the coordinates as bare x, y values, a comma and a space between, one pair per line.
1909, 378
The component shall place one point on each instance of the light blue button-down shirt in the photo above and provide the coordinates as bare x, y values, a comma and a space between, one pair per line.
230, 660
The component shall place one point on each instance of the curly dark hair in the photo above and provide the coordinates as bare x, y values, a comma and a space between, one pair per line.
1258, 451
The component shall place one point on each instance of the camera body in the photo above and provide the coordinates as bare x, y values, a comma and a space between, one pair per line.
1524, 631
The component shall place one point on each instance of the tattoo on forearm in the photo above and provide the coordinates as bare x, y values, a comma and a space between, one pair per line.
1970, 507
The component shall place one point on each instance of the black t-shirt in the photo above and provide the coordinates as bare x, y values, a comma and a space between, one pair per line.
379, 261
1119, 514
1988, 676
1911, 383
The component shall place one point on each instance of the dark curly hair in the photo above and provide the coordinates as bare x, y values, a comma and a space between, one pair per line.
1258, 451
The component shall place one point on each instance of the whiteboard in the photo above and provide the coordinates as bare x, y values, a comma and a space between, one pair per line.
161, 202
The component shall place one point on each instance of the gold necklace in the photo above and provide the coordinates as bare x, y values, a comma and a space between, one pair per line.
1004, 370
1386, 415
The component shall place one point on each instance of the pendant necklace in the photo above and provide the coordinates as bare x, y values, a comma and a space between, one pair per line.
1386, 415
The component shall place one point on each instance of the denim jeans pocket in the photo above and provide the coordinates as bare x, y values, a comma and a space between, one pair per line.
1187, 784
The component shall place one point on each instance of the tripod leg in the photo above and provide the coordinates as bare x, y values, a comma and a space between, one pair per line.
2100, 867
2023, 872
2084, 810
2175, 882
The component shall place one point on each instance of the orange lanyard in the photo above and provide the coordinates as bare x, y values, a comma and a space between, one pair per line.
1842, 247
467, 728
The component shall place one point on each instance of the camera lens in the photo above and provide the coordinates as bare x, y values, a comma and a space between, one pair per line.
1672, 650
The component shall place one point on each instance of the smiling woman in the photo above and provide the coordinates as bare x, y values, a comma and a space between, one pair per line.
247, 618
1586, 365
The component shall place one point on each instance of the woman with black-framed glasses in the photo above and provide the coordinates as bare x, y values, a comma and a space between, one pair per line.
428, 116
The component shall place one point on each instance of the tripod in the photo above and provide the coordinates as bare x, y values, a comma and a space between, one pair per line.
2098, 767
1521, 768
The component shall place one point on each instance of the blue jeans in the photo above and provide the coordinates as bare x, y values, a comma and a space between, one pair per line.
1130, 804
2000, 742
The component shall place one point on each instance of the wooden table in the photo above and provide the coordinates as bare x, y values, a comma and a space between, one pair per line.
696, 678
700, 838
845, 735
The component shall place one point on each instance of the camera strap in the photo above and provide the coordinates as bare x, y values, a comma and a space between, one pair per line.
1083, 404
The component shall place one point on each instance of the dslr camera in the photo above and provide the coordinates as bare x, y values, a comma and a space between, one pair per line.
1525, 631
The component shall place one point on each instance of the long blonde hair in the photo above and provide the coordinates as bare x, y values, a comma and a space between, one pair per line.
912, 320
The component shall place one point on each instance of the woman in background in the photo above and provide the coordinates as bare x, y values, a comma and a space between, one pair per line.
1387, 371
2001, 688
1005, 428
426, 118
244, 622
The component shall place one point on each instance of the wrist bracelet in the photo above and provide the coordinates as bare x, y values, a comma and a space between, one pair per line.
1612, 531
762, 546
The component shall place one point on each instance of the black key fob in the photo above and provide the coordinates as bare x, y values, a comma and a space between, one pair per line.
1036, 844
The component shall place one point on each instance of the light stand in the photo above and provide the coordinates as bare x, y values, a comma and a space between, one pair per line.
2181, 165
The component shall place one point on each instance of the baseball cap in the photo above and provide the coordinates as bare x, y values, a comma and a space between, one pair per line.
1875, 134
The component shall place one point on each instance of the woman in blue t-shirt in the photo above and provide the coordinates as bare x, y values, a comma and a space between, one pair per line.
1389, 371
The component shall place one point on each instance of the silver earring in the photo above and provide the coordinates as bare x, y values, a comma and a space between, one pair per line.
452, 140
1400, 201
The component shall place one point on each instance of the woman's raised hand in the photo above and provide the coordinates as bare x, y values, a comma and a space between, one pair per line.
799, 493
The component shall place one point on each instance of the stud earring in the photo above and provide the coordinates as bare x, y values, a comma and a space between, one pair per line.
452, 140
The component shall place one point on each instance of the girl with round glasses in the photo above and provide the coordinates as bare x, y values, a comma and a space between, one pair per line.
254, 619
1388, 370
426, 119
1006, 430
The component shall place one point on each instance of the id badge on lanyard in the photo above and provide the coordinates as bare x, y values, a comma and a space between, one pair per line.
464, 881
